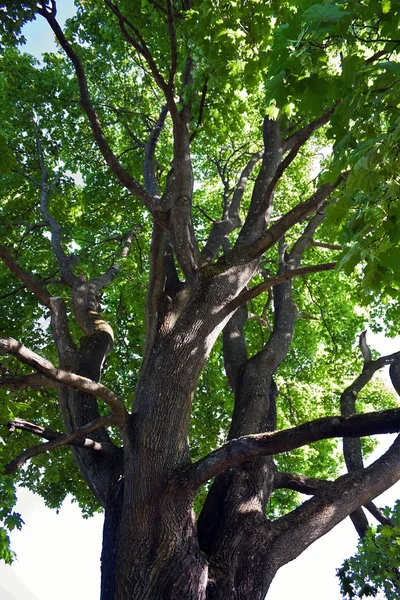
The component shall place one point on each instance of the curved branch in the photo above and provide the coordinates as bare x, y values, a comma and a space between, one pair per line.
32, 380
122, 175
62, 440
248, 448
11, 346
40, 292
298, 529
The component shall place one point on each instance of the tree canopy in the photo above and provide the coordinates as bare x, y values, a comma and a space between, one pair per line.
200, 206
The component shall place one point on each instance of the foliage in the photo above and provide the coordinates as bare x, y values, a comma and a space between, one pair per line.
294, 62
374, 568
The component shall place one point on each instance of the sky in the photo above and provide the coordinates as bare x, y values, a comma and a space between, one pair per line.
58, 555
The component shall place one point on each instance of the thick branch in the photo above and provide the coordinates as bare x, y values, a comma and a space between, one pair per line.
314, 518
248, 448
62, 440
32, 380
11, 346
265, 241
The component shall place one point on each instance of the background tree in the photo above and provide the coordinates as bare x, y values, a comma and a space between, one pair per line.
161, 186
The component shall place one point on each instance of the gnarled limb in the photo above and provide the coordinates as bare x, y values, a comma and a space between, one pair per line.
247, 448
11, 346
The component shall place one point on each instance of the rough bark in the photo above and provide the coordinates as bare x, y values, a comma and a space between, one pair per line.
153, 547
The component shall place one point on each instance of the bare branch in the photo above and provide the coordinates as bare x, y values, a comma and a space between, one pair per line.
62, 440
11, 346
248, 448
32, 380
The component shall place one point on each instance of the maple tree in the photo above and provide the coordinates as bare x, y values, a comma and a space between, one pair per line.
200, 209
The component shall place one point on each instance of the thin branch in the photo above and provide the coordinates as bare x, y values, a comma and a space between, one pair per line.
255, 291
174, 46
29, 427
300, 483
62, 440
37, 288
248, 448
26, 356
138, 42
324, 245
298, 139
378, 514
201, 110
122, 175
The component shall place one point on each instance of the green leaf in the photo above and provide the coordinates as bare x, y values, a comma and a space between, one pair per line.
320, 13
